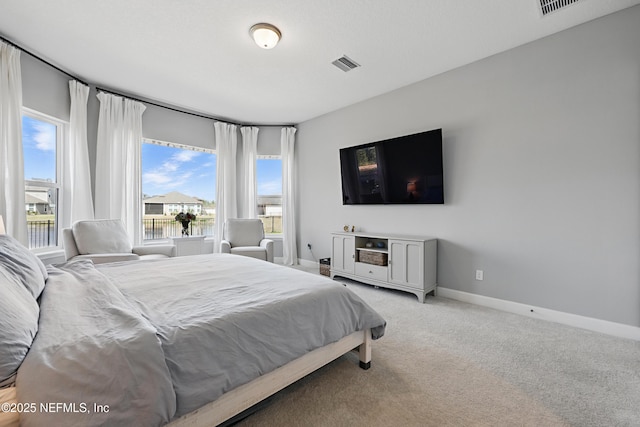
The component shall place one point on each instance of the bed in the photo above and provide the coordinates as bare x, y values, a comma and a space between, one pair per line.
181, 341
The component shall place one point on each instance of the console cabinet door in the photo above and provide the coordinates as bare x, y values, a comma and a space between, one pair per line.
343, 254
406, 265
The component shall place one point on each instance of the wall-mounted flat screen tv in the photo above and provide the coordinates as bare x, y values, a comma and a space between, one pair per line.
402, 170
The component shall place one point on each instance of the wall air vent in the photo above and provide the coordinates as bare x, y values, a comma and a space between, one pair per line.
548, 6
345, 63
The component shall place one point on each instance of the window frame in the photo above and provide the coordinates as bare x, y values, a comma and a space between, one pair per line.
268, 157
155, 141
58, 185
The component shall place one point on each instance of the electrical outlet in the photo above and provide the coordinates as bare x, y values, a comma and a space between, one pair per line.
479, 275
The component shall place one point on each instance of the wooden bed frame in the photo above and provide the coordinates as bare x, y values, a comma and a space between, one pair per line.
244, 397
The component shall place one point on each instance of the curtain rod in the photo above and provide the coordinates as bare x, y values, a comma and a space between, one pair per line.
130, 97
146, 101
100, 89
44, 61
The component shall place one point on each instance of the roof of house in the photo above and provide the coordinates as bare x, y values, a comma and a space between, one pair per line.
174, 197
32, 197
270, 200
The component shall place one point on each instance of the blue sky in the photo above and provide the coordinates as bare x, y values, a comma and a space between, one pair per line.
269, 176
166, 169
39, 145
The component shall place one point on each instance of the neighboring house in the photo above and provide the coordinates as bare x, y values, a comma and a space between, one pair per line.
270, 205
171, 204
37, 202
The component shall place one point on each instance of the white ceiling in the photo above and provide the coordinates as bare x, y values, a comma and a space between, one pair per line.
197, 54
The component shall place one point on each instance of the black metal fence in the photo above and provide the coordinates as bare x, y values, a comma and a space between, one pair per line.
42, 234
163, 228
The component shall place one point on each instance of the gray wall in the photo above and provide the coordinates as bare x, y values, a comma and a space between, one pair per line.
44, 89
171, 126
541, 157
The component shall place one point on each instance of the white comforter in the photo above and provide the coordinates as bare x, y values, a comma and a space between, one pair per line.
178, 334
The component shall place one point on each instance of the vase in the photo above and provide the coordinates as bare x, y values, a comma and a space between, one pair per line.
185, 228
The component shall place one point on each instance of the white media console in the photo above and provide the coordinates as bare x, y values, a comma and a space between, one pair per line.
406, 263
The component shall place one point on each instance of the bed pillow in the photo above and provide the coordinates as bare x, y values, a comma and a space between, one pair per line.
22, 264
101, 237
19, 312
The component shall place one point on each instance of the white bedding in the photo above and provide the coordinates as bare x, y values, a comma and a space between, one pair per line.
246, 317
204, 325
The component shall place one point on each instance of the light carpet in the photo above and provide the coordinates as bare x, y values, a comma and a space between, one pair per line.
448, 363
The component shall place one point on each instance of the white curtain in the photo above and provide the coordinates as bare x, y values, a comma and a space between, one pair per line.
118, 163
77, 200
290, 251
12, 206
226, 196
249, 193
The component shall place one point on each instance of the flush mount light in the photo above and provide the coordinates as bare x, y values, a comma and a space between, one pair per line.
265, 35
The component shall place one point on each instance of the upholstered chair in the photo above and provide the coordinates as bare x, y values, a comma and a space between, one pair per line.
246, 237
105, 241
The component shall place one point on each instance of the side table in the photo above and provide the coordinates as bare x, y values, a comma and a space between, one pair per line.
188, 245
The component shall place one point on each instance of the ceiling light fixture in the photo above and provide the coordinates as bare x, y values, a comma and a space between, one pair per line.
265, 35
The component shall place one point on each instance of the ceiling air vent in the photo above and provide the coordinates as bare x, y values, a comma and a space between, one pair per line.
345, 63
548, 6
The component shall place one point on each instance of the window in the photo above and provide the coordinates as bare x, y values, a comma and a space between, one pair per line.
41, 136
177, 178
269, 178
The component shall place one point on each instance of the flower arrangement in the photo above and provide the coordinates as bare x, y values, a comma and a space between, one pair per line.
185, 219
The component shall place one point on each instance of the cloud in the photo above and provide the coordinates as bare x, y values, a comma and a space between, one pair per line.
169, 174
170, 169
185, 156
169, 166
185, 176
43, 136
175, 161
165, 179
268, 188
156, 178
183, 170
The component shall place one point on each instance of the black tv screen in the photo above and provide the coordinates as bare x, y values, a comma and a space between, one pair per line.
402, 170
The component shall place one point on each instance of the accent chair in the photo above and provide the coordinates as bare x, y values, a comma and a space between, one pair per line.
106, 240
246, 237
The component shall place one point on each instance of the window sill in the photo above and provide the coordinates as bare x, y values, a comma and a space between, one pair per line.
53, 256
167, 241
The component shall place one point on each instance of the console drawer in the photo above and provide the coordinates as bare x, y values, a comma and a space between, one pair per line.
371, 271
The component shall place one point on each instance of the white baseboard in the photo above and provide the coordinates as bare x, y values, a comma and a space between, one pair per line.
307, 263
603, 326
589, 323
302, 262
